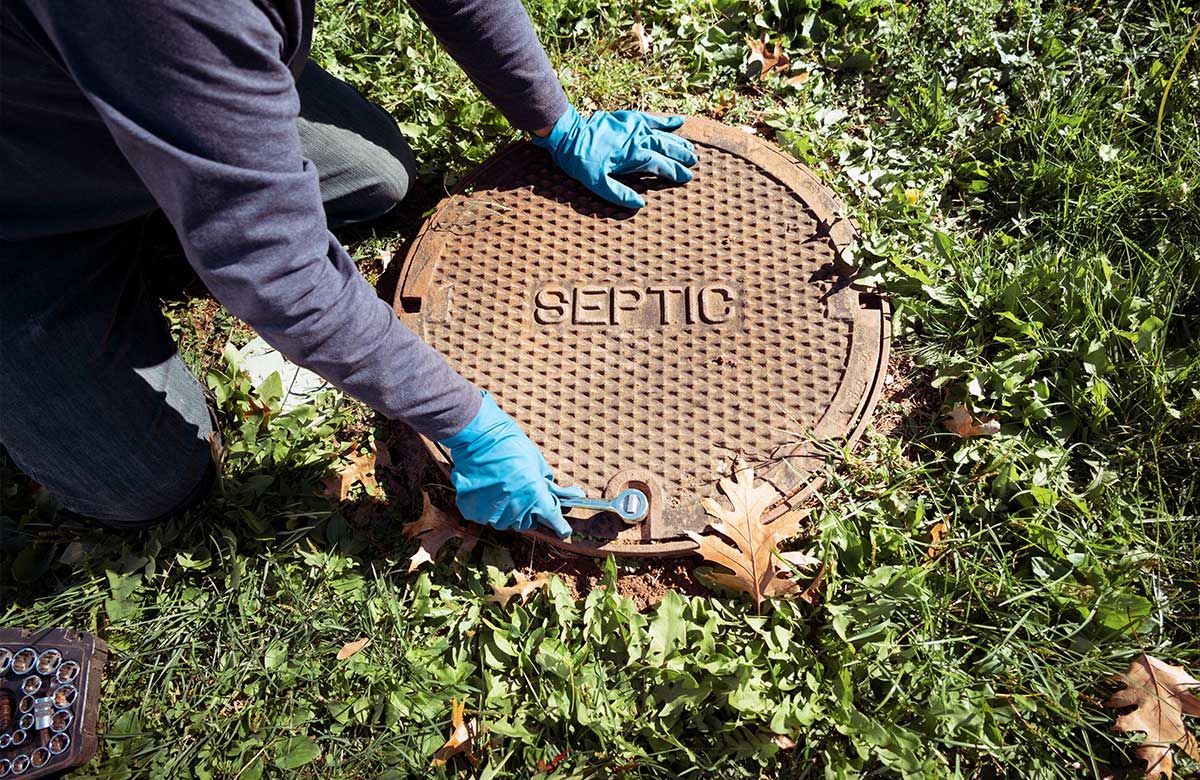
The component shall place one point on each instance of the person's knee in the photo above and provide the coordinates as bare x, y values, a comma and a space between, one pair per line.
138, 490
389, 182
365, 164
126, 448
159, 496
362, 177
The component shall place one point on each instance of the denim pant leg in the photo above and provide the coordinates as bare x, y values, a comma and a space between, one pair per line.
365, 165
95, 404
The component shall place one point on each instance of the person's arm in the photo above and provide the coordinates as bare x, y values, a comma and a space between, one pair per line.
495, 43
204, 109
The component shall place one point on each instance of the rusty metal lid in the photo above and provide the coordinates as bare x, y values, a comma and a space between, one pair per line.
653, 348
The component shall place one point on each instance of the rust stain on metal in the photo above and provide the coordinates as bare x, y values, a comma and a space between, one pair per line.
650, 348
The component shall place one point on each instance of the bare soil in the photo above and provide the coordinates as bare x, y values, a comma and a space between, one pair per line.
645, 580
910, 403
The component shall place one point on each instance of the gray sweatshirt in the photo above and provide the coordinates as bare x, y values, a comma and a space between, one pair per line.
111, 109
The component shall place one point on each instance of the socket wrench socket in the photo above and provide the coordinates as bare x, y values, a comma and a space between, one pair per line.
67, 672
48, 661
58, 744
24, 660
65, 695
61, 721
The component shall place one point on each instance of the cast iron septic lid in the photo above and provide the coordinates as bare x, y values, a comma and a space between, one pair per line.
652, 349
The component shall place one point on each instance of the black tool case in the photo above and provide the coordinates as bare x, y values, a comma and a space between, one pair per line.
49, 700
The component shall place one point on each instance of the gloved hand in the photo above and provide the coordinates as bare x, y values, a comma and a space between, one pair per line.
501, 478
608, 143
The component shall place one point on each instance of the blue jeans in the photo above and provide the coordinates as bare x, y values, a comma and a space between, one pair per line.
95, 404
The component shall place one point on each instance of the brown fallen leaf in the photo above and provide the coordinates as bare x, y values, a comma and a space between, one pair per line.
783, 741
722, 102
770, 59
350, 648
636, 41
256, 407
433, 529
1161, 695
383, 456
752, 561
523, 589
812, 592
460, 736
937, 535
798, 79
961, 423
361, 469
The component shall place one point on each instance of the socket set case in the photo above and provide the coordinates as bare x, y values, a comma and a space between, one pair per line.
49, 698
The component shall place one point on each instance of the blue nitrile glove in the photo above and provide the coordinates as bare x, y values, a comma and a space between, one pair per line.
609, 143
501, 478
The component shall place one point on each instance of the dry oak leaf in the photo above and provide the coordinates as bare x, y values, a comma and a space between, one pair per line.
753, 560
460, 736
1161, 695
523, 589
637, 41
961, 423
771, 59
433, 529
361, 468
350, 648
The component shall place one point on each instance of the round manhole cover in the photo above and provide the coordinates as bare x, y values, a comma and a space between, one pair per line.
652, 349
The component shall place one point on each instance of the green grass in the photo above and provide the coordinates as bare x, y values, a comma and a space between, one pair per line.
1035, 220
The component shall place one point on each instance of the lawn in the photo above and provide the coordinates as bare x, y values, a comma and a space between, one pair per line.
1025, 177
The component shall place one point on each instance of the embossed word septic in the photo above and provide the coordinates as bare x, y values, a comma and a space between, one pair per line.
634, 306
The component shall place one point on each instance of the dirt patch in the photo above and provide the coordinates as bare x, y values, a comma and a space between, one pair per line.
910, 403
645, 581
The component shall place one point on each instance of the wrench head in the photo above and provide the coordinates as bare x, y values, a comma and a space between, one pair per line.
631, 504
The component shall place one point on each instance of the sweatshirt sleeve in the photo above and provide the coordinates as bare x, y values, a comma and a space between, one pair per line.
203, 107
495, 43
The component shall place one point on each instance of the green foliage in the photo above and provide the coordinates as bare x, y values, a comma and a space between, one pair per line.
1036, 224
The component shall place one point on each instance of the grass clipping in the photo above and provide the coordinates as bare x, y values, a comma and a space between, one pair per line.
754, 562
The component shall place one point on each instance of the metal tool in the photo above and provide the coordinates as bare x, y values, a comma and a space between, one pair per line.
630, 504
52, 679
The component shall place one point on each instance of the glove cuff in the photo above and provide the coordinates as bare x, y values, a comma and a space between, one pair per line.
564, 127
489, 416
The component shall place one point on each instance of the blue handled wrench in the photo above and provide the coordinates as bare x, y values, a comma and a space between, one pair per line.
630, 504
